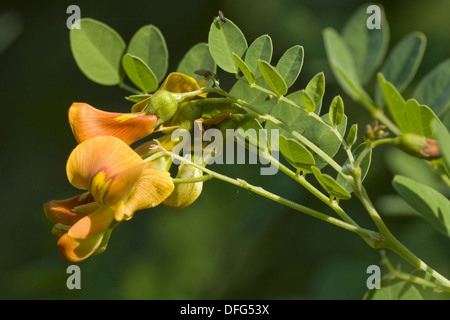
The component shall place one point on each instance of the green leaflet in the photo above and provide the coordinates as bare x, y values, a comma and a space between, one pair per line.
409, 116
326, 140
98, 50
402, 63
342, 64
148, 44
198, 57
434, 89
137, 97
244, 68
296, 154
225, 38
308, 101
368, 47
139, 73
352, 135
316, 90
330, 185
273, 78
427, 202
260, 49
336, 112
290, 64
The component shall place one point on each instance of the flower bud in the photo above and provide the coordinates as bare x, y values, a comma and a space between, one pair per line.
185, 194
419, 146
164, 104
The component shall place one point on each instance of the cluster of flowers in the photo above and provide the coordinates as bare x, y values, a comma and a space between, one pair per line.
117, 181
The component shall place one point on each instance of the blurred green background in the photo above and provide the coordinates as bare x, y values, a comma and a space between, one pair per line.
230, 244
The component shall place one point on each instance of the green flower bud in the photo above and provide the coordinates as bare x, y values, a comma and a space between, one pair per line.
419, 146
164, 104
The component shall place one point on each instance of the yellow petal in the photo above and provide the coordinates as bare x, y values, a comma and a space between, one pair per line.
99, 154
179, 83
74, 250
87, 122
152, 188
122, 183
185, 193
63, 211
93, 224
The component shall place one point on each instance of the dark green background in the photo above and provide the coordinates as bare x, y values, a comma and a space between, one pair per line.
230, 244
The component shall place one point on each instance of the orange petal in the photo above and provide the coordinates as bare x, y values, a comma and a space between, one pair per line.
87, 122
122, 183
93, 224
152, 188
74, 250
62, 211
99, 154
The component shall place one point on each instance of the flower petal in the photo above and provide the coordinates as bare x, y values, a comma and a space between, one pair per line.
179, 83
62, 211
175, 82
152, 188
99, 154
122, 183
93, 224
74, 250
87, 122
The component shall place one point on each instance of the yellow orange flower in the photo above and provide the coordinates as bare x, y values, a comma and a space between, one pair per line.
118, 182
88, 122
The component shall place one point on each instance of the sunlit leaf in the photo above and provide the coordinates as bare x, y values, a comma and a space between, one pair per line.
330, 185
296, 154
352, 135
316, 89
149, 44
139, 73
260, 49
290, 64
322, 137
224, 39
137, 97
308, 101
254, 97
98, 51
336, 112
273, 78
244, 68
409, 116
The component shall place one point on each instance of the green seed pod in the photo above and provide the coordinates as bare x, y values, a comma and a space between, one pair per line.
185, 194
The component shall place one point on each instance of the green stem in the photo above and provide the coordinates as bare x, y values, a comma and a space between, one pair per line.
390, 242
301, 179
394, 273
203, 178
260, 191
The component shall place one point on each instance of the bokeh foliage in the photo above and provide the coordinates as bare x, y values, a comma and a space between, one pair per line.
230, 244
